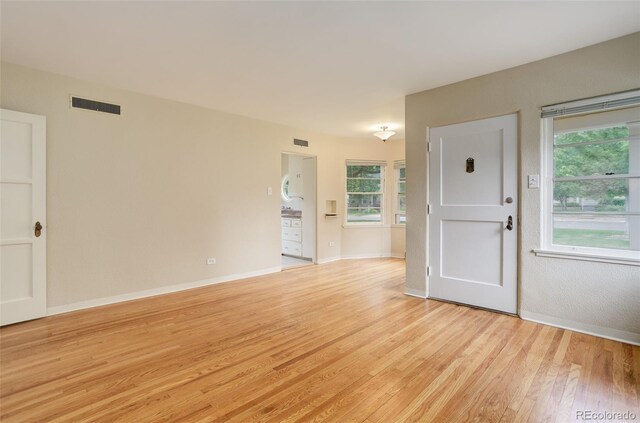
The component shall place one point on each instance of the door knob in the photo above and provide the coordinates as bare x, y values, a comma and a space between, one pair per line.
510, 223
508, 200
38, 230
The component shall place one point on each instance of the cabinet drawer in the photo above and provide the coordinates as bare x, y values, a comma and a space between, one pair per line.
292, 234
285, 222
296, 223
293, 248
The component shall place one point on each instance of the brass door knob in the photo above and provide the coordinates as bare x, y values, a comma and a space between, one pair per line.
38, 230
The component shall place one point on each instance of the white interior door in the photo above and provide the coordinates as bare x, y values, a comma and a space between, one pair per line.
473, 191
23, 281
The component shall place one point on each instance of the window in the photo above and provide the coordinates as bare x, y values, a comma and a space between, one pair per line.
365, 192
400, 206
592, 181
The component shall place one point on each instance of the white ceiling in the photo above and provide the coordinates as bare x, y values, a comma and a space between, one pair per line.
334, 67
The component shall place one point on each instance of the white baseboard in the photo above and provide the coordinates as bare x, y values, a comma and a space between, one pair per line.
415, 293
360, 256
190, 285
156, 291
365, 256
328, 260
602, 332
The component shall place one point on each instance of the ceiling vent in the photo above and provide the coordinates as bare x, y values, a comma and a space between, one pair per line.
96, 106
301, 143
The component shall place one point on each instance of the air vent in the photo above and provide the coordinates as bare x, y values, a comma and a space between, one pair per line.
96, 106
301, 143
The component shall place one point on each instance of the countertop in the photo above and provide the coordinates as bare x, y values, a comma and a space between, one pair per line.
291, 214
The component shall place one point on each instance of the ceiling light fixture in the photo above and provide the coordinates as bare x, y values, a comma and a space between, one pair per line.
384, 134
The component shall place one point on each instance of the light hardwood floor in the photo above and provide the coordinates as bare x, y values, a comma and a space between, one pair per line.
337, 342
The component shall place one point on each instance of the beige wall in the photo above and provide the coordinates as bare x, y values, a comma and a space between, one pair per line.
589, 296
138, 202
374, 241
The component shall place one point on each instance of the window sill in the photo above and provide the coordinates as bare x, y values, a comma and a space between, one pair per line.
587, 257
398, 225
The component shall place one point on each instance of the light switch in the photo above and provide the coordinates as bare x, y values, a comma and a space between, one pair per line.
269, 191
534, 181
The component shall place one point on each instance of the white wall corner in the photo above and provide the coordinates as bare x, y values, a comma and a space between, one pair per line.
602, 332
157, 291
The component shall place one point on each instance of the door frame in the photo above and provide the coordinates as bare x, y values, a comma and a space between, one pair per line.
428, 128
314, 259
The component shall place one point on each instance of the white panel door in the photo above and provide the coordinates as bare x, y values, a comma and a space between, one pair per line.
23, 280
473, 191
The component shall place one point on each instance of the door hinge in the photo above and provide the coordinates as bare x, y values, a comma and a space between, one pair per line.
428, 270
429, 146
428, 208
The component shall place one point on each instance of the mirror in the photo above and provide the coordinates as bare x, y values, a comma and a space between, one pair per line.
284, 189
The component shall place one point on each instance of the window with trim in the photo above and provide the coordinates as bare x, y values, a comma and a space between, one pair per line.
365, 192
591, 186
400, 205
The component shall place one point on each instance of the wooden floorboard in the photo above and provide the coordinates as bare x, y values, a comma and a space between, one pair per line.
337, 342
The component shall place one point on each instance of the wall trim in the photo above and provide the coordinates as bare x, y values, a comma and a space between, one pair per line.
361, 256
97, 302
328, 260
366, 256
415, 293
51, 311
599, 331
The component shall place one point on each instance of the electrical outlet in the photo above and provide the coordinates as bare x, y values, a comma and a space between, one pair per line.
332, 244
534, 181
211, 261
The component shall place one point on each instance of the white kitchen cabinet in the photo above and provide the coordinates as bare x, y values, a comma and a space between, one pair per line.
292, 248
291, 235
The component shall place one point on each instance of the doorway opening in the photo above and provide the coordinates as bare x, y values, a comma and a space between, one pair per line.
298, 210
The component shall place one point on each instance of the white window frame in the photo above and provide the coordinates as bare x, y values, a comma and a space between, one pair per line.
548, 249
383, 178
397, 165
